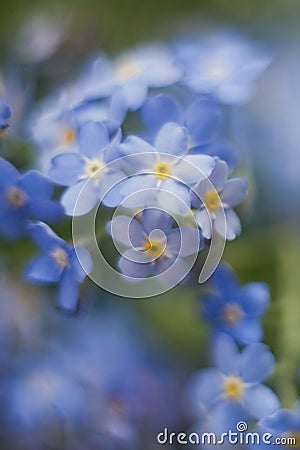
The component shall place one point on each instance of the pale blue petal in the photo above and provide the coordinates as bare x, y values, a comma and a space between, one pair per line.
172, 139
234, 191
158, 110
203, 120
81, 263
260, 401
226, 356
80, 199
93, 139
156, 218
127, 231
66, 168
206, 387
134, 270
174, 197
43, 269
256, 363
68, 292
204, 221
194, 168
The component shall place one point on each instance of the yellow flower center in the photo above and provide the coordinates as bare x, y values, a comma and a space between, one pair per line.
232, 313
68, 136
154, 248
16, 197
162, 170
212, 200
292, 439
126, 68
233, 388
60, 256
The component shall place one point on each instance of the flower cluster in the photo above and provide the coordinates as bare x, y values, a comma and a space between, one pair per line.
232, 391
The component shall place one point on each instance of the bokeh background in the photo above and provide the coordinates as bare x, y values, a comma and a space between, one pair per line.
114, 375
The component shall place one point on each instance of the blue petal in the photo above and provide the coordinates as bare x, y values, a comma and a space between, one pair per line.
226, 356
93, 139
81, 263
43, 269
260, 401
226, 281
234, 191
156, 218
5, 114
134, 270
256, 363
203, 120
36, 186
80, 198
158, 110
220, 149
46, 210
247, 331
226, 415
134, 94
282, 421
8, 173
68, 291
206, 387
255, 298
174, 197
172, 139
127, 231
13, 222
134, 145
45, 238
66, 168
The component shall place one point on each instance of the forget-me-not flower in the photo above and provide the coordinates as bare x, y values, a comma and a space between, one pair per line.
234, 309
214, 197
75, 169
163, 169
224, 65
233, 390
129, 76
151, 245
58, 263
24, 197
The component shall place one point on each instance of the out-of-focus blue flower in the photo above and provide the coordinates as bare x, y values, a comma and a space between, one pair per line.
161, 169
224, 65
152, 245
235, 309
5, 115
59, 263
55, 124
232, 391
129, 76
74, 169
214, 197
202, 118
24, 197
284, 425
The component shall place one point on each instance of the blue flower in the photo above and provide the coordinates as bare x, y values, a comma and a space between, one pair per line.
232, 391
163, 170
75, 169
224, 65
284, 425
214, 197
24, 197
55, 124
235, 309
152, 246
5, 115
59, 263
202, 118
128, 77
